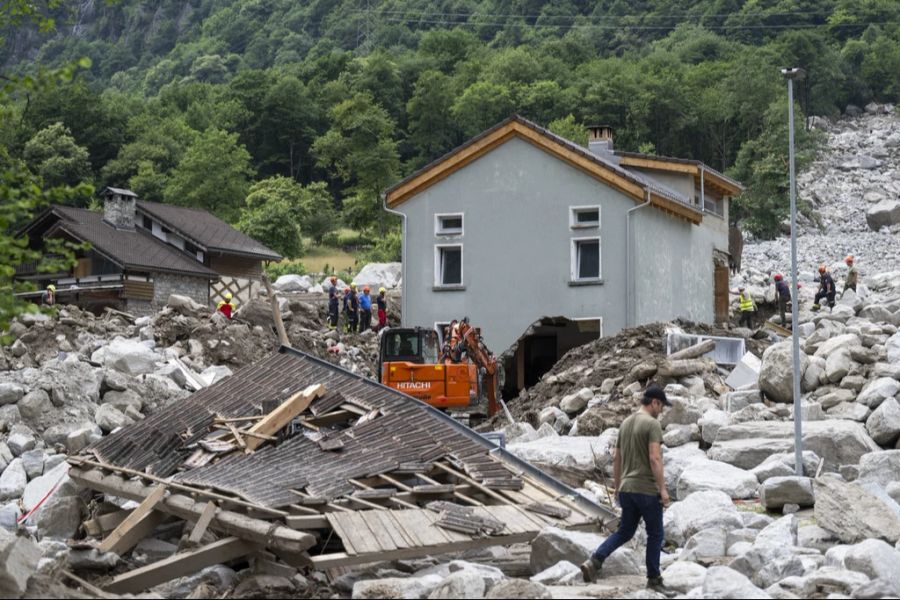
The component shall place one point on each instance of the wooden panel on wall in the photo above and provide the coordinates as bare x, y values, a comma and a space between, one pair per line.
137, 290
236, 266
721, 294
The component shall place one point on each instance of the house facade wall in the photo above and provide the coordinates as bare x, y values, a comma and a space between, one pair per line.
166, 284
517, 242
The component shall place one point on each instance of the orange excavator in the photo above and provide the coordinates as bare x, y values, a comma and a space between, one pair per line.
448, 368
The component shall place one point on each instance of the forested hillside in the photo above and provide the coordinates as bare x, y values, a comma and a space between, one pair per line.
276, 113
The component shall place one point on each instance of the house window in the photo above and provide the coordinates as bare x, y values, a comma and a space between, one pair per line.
448, 224
586, 259
448, 266
584, 217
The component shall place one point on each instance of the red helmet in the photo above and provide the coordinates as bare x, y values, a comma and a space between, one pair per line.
778, 277
849, 259
821, 268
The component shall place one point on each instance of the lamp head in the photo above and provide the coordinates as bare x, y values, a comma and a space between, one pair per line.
795, 73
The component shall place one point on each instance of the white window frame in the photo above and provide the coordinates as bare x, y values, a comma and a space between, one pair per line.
439, 229
573, 259
573, 217
600, 335
438, 283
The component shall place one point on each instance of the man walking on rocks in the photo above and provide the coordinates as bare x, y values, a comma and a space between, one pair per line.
784, 296
640, 487
827, 289
333, 304
852, 276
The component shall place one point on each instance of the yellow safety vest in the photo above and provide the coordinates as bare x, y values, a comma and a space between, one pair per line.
746, 303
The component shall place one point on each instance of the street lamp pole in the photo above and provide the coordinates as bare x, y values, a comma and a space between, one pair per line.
794, 74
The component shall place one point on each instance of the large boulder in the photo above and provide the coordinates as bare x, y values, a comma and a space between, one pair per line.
776, 374
553, 545
516, 589
710, 423
883, 214
60, 514
893, 348
881, 468
852, 513
782, 465
675, 460
128, 356
376, 275
725, 582
778, 491
712, 475
683, 576
13, 480
19, 558
293, 283
747, 445
10, 393
884, 424
462, 584
878, 390
396, 587
875, 559
836, 343
699, 511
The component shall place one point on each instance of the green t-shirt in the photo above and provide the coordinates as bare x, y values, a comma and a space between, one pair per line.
635, 436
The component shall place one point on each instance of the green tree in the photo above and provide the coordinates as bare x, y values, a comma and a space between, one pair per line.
213, 174
432, 129
361, 149
321, 218
569, 129
54, 155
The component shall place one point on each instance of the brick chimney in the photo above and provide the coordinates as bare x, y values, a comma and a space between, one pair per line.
119, 207
600, 139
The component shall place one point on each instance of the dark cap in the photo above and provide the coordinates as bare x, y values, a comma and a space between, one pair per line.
655, 393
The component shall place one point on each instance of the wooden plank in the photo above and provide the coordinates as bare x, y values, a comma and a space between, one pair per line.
428, 533
390, 526
281, 416
341, 559
452, 536
237, 436
379, 533
102, 524
470, 481
363, 538
139, 524
337, 525
181, 564
306, 522
209, 511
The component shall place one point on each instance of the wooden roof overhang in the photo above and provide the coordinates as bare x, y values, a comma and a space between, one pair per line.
714, 180
518, 128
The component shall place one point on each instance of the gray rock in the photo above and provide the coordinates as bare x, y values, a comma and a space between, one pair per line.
683, 576
877, 589
114, 381
883, 214
110, 418
876, 559
553, 545
6, 456
838, 365
778, 491
218, 577
92, 560
711, 475
13, 481
81, 437
128, 356
60, 514
735, 401
746, 445
813, 536
19, 558
9, 516
575, 403
10, 393
724, 582
780, 532
852, 411
705, 545
836, 397
699, 511
878, 390
490, 575
710, 423
518, 589
678, 435
263, 585
852, 513
33, 462
124, 400
558, 574
394, 587
765, 563
150, 550
884, 423
776, 373
21, 439
35, 406
215, 374
782, 465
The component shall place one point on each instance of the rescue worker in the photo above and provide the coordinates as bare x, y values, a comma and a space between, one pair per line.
783, 292
827, 289
747, 307
48, 298
333, 304
382, 308
345, 308
226, 306
354, 309
365, 310
852, 276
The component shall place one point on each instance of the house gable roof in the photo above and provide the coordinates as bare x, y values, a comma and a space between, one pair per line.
631, 184
205, 230
134, 249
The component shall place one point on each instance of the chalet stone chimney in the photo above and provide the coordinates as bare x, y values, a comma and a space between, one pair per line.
119, 207
600, 139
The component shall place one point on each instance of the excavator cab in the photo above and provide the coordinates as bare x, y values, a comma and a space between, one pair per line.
416, 345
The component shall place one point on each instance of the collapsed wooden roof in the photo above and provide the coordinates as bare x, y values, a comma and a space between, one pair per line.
356, 473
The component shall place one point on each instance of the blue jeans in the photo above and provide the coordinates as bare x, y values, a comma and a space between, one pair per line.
635, 507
